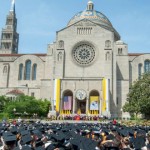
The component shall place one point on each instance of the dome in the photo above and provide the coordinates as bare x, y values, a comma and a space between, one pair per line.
90, 2
92, 15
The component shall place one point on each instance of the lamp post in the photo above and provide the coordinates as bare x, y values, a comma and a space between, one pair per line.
121, 112
27, 89
25, 114
14, 110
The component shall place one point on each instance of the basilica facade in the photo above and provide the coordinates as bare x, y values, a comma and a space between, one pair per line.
87, 70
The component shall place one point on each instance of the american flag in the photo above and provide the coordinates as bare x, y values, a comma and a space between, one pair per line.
67, 102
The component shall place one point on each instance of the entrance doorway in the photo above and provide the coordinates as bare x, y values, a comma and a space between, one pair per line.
82, 106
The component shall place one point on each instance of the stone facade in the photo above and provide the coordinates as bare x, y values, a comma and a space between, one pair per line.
85, 53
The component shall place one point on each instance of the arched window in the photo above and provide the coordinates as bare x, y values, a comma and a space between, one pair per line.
28, 70
108, 44
20, 72
119, 51
5, 69
147, 66
139, 71
61, 44
34, 70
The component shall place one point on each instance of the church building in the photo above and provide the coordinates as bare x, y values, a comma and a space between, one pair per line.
87, 70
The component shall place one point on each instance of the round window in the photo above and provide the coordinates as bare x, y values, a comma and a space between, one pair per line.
84, 54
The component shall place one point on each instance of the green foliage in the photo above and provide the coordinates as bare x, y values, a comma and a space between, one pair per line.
26, 105
4, 116
3, 101
138, 98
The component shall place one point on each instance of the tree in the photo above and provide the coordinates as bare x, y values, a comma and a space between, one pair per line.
145, 95
138, 98
3, 101
29, 105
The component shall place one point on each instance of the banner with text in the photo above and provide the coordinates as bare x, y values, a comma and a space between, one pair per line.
94, 102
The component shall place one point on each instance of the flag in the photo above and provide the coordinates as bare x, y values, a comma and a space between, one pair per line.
67, 102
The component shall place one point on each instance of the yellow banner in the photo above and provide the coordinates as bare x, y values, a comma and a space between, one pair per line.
57, 92
94, 102
104, 95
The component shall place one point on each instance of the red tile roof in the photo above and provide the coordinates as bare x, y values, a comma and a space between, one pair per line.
17, 92
135, 54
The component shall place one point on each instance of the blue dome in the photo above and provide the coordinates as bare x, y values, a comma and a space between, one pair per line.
92, 15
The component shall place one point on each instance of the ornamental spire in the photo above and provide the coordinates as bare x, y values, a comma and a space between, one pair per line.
12, 5
90, 5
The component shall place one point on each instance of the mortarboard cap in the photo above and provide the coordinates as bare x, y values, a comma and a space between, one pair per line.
61, 148
7, 134
124, 133
83, 133
139, 142
141, 132
38, 134
39, 143
93, 145
9, 138
24, 132
14, 130
110, 137
26, 148
131, 132
111, 146
16, 148
106, 131
26, 139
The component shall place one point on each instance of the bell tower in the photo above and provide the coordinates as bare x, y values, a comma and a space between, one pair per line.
9, 36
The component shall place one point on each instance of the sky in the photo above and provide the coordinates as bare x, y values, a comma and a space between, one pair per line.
38, 21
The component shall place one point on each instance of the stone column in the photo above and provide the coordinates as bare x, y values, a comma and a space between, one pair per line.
100, 105
61, 103
87, 104
101, 101
74, 102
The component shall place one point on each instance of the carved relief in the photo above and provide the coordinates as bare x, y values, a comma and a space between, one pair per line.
107, 56
108, 44
61, 44
60, 56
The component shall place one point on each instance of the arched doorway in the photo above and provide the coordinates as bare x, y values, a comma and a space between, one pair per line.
67, 102
94, 102
81, 106
81, 97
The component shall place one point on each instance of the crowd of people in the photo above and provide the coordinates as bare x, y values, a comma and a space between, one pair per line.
32, 135
77, 117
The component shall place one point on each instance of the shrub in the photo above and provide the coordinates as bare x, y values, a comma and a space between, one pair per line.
5, 116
